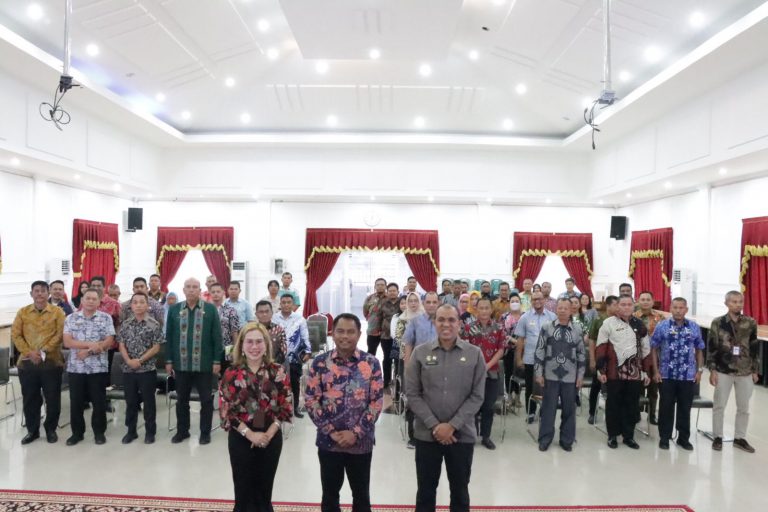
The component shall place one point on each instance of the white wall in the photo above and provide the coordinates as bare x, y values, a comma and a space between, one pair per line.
707, 234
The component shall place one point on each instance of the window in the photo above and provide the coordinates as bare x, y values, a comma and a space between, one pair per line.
193, 266
554, 272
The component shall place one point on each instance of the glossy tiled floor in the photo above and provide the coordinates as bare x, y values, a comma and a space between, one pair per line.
516, 473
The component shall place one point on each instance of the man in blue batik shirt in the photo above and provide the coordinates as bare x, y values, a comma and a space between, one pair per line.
297, 339
677, 348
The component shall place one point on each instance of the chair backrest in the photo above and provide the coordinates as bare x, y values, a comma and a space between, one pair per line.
317, 336
5, 365
476, 287
116, 375
320, 319
330, 323
495, 284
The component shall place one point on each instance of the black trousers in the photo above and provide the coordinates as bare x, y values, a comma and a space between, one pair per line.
621, 407
489, 403
652, 392
458, 465
203, 383
675, 393
38, 381
333, 465
373, 344
529, 388
594, 394
140, 387
88, 387
386, 347
295, 372
253, 472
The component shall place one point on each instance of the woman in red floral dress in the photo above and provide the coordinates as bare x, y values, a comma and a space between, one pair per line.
255, 398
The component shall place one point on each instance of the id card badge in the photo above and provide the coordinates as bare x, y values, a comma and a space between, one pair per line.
736, 350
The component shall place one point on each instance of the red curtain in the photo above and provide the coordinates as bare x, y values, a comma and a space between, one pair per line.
753, 276
95, 251
531, 249
216, 244
421, 249
650, 264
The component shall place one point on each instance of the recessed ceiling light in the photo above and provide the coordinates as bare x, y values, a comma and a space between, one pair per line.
245, 118
35, 12
263, 25
15, 162
629, 194
92, 50
625, 76
425, 70
321, 67
548, 201
508, 124
723, 171
430, 198
418, 122
273, 53
474, 55
160, 97
667, 184
521, 88
200, 196
229, 82
489, 199
653, 54
374, 53
150, 196
117, 187
601, 202
76, 176
373, 198
186, 115
332, 120
255, 195
697, 19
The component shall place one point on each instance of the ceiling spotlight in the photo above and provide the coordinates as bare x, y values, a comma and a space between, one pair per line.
508, 124
425, 70
186, 115
697, 19
245, 118
373, 198
474, 55
653, 54
273, 54
374, 53
263, 25
150, 196
667, 185
625, 76
229, 82
418, 122
15, 162
76, 176
117, 187
521, 88
321, 67
92, 50
601, 202
723, 171
489, 199
255, 195
160, 97
35, 12
548, 201
431, 198
332, 121
628, 194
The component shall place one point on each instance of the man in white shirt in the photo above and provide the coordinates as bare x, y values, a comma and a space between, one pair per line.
299, 349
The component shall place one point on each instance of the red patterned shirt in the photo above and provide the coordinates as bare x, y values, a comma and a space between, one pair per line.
489, 338
243, 392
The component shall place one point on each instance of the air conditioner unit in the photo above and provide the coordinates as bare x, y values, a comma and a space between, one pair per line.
58, 269
240, 273
684, 284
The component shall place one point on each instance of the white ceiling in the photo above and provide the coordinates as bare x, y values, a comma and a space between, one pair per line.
186, 49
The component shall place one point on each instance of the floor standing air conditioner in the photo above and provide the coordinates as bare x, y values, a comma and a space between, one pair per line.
58, 269
684, 285
240, 273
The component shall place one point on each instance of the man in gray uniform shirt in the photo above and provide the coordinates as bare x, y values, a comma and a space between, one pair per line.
445, 386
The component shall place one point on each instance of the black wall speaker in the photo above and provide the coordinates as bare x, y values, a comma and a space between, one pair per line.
618, 227
135, 218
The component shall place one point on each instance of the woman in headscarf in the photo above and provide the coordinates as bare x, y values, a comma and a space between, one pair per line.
170, 299
471, 314
411, 308
464, 314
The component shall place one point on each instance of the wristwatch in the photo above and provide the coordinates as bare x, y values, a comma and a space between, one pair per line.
700, 369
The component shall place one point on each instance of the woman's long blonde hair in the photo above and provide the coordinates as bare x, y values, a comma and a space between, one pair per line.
238, 357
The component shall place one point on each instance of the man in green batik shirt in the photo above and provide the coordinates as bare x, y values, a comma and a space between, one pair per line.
193, 356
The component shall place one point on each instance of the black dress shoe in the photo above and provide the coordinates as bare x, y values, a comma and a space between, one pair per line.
298, 414
100, 438
73, 440
685, 445
129, 437
30, 437
653, 420
51, 436
179, 437
632, 444
566, 447
205, 438
543, 447
612, 443
149, 438
488, 443
664, 444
